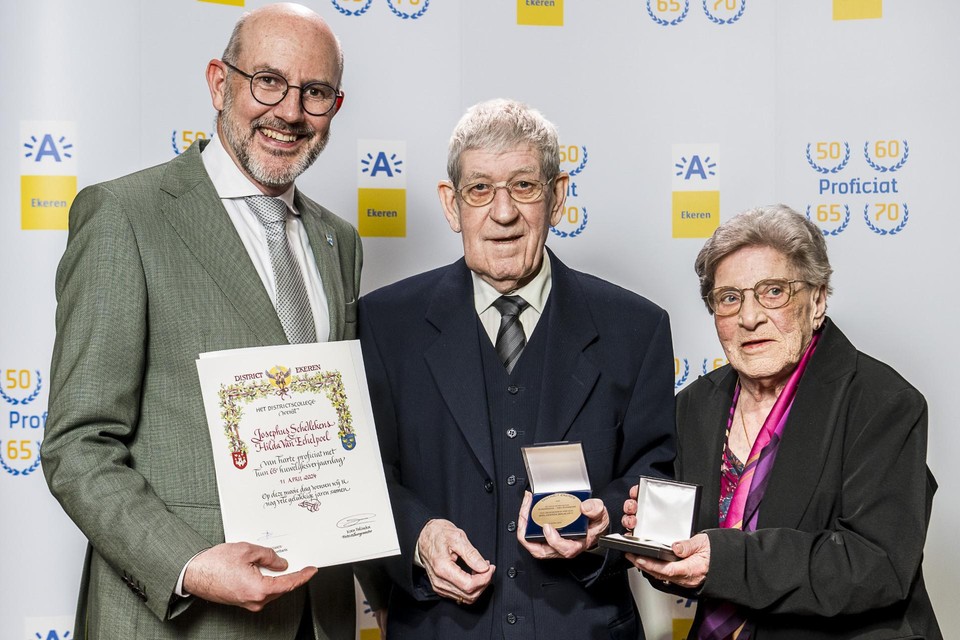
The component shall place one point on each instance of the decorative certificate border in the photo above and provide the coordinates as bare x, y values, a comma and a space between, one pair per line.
280, 383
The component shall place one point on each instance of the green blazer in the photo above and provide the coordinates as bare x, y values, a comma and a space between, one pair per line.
154, 274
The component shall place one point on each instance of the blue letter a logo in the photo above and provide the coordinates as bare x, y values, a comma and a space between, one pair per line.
381, 164
695, 167
48, 148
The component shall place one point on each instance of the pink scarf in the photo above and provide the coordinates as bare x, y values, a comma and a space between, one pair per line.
723, 620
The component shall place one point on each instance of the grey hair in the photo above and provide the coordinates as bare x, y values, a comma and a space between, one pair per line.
500, 125
232, 51
776, 226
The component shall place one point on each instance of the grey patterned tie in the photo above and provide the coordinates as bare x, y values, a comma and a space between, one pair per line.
510, 337
293, 305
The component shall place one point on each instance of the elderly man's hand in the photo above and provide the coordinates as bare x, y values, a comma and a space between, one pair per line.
229, 573
441, 544
690, 571
556, 546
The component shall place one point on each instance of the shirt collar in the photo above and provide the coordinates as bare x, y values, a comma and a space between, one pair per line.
229, 181
534, 292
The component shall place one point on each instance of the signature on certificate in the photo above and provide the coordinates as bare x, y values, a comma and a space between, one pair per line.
270, 535
310, 505
353, 521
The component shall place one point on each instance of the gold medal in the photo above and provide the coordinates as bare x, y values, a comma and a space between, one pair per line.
557, 510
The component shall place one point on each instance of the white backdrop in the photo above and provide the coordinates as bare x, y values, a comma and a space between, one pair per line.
714, 105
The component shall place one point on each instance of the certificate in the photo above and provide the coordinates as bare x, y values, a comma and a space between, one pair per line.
296, 454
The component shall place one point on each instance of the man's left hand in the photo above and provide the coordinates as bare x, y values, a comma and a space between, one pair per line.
557, 546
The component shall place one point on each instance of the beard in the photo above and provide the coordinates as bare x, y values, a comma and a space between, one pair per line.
240, 141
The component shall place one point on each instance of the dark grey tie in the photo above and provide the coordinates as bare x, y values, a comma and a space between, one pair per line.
293, 305
510, 337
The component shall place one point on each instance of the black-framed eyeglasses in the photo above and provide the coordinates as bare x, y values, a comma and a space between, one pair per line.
479, 194
269, 89
772, 293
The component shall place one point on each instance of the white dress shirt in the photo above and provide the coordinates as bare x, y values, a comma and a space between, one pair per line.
233, 186
534, 292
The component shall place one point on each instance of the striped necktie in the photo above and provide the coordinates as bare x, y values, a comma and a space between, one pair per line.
293, 305
510, 337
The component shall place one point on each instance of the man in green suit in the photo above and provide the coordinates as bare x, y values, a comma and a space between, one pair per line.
161, 266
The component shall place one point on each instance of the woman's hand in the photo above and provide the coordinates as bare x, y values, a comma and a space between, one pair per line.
629, 519
690, 571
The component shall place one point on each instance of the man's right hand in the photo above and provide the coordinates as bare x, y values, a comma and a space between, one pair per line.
441, 544
229, 573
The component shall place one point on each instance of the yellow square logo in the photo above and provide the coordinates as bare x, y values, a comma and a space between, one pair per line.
232, 3
696, 214
542, 13
382, 213
45, 201
857, 9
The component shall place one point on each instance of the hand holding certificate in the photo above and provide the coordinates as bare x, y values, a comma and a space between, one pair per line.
296, 453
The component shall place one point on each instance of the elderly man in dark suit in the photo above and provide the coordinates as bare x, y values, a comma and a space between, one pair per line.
458, 388
213, 250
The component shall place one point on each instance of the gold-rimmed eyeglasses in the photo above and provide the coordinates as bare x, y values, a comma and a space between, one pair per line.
522, 190
771, 293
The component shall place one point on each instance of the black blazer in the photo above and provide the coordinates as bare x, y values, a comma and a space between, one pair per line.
841, 529
607, 381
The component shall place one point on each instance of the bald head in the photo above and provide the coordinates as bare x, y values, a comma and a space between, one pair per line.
273, 137
301, 25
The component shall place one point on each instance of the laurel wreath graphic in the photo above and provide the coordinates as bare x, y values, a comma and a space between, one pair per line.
686, 374
30, 398
575, 232
21, 472
721, 21
173, 142
408, 16
886, 232
669, 23
880, 167
838, 230
836, 169
347, 12
581, 166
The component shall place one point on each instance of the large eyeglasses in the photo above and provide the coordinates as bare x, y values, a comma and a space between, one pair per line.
770, 294
479, 194
268, 88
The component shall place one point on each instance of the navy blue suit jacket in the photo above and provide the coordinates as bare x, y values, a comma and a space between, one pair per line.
607, 381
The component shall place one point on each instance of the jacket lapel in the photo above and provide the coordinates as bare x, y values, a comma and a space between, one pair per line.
326, 254
569, 374
699, 458
456, 364
197, 215
808, 434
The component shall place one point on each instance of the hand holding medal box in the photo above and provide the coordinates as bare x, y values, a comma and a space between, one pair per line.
666, 512
559, 483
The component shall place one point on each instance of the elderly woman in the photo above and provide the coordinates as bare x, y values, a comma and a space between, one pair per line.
812, 457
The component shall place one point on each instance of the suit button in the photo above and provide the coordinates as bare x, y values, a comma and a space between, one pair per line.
488, 485
511, 480
513, 389
511, 526
511, 433
511, 619
512, 572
